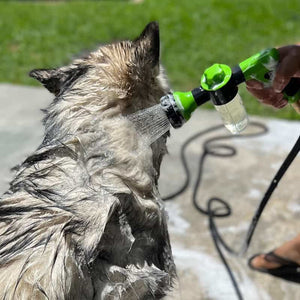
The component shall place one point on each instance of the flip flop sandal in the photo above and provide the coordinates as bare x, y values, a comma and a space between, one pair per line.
289, 270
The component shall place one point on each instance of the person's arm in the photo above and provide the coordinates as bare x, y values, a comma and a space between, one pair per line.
289, 66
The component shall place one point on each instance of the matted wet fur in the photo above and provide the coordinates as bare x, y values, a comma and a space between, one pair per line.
82, 218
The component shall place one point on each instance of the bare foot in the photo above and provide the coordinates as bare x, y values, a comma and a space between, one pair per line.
289, 250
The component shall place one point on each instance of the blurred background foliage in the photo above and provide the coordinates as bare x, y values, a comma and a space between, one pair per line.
194, 35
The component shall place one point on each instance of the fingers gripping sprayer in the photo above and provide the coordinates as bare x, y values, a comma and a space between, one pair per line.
219, 84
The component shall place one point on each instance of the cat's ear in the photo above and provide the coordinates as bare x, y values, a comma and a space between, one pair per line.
148, 43
57, 80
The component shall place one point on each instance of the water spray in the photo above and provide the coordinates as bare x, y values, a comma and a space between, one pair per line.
219, 83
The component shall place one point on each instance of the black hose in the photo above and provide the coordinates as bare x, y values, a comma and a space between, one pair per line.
224, 209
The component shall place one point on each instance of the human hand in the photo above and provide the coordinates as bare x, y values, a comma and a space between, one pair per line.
288, 67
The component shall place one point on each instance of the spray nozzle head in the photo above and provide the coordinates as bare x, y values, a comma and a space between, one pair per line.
172, 111
179, 106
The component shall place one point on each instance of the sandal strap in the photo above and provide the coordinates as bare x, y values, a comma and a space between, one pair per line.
272, 257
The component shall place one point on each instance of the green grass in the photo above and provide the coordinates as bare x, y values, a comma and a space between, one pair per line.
194, 35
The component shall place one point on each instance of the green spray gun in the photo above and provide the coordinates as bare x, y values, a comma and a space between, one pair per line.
219, 84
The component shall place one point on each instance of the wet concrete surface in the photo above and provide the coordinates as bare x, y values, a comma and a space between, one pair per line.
240, 180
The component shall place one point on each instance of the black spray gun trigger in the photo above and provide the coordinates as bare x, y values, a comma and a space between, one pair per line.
268, 75
292, 90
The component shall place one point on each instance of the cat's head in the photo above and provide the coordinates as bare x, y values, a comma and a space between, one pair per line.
118, 78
